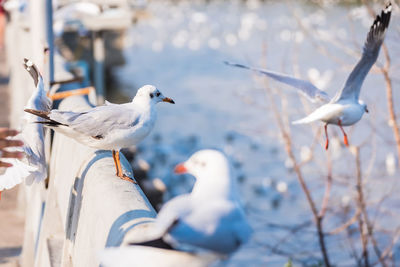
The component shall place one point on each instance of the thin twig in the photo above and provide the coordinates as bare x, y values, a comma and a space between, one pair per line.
345, 225
328, 186
361, 206
368, 226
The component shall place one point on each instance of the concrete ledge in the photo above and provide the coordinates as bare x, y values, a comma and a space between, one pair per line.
155, 257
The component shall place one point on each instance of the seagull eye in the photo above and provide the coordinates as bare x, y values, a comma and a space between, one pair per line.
151, 95
158, 94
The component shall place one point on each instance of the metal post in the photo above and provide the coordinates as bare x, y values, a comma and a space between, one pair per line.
50, 38
99, 56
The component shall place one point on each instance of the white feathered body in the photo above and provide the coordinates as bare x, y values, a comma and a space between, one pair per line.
347, 112
135, 128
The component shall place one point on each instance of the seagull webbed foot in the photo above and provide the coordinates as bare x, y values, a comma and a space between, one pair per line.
345, 139
126, 178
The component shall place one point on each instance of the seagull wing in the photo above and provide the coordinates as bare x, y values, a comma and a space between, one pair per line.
38, 99
33, 167
242, 229
98, 121
167, 219
305, 87
170, 213
14, 175
375, 37
32, 69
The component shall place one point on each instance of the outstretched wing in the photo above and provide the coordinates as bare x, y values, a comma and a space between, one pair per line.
33, 70
38, 99
171, 212
305, 87
375, 37
167, 219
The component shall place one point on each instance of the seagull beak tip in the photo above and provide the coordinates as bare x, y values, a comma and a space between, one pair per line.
180, 169
168, 100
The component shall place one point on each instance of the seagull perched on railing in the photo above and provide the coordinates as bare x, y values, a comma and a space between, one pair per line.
345, 108
33, 166
210, 218
109, 127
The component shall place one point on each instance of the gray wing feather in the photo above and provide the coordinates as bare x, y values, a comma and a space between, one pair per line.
98, 121
305, 87
375, 37
33, 70
40, 100
171, 212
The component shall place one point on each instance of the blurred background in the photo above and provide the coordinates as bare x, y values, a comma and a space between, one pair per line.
180, 47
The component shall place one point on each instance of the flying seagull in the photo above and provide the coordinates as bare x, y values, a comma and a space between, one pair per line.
345, 108
33, 166
109, 127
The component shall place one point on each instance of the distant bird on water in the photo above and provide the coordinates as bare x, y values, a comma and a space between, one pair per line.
345, 108
109, 127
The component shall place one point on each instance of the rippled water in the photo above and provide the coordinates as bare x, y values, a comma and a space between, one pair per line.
180, 47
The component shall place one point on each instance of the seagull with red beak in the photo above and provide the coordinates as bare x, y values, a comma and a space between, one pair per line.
210, 217
109, 127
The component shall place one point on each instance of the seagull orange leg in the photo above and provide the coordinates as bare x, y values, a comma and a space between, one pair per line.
114, 153
118, 166
327, 138
345, 140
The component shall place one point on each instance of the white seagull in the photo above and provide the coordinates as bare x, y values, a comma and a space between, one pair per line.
33, 166
109, 127
345, 108
210, 217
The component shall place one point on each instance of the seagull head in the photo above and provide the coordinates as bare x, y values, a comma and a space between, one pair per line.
204, 163
363, 105
213, 175
152, 94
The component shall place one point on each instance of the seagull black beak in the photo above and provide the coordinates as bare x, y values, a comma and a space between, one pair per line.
169, 100
366, 110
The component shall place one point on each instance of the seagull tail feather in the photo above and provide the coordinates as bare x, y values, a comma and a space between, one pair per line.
304, 120
156, 243
44, 115
39, 113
